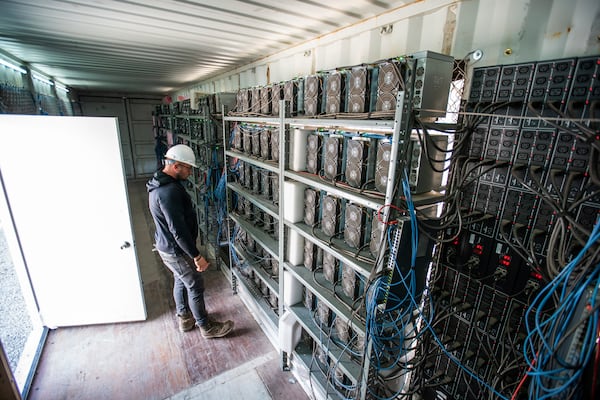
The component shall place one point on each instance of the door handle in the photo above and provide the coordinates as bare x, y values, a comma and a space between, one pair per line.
125, 245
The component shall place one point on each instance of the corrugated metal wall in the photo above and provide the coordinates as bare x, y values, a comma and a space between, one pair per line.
508, 32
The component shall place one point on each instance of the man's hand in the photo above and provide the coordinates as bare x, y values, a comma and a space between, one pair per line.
201, 264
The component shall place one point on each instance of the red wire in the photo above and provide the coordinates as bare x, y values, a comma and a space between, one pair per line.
394, 222
523, 379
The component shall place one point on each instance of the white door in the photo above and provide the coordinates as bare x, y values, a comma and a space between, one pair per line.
64, 181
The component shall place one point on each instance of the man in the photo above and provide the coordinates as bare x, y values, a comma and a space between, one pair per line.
176, 234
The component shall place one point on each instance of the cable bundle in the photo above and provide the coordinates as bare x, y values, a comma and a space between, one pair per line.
561, 343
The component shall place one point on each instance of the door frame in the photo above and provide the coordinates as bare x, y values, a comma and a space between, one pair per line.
23, 375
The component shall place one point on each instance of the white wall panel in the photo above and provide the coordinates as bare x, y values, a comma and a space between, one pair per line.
531, 29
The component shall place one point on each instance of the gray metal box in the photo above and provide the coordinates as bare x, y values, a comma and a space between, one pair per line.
433, 76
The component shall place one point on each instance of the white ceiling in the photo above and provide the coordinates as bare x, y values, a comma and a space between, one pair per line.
157, 46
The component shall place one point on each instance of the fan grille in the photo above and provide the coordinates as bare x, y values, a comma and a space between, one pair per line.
312, 154
312, 86
349, 283
275, 97
330, 266
329, 215
265, 100
312, 255
311, 203
382, 165
255, 101
255, 135
334, 93
237, 138
275, 145
357, 93
376, 230
388, 83
332, 159
355, 156
265, 143
353, 232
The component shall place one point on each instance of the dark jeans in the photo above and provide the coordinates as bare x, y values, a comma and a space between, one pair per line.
188, 288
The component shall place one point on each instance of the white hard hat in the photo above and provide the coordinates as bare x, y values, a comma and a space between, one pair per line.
182, 153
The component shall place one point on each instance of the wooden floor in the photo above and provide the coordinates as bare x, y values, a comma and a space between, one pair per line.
152, 359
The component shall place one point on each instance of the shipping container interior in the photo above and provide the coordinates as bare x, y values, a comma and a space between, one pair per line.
399, 199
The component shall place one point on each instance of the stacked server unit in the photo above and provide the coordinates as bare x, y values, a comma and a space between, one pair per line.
337, 202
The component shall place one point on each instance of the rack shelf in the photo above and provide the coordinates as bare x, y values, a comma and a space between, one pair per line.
324, 291
338, 354
261, 237
269, 166
260, 202
308, 233
271, 283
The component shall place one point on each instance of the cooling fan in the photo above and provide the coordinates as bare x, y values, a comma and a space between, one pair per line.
248, 210
309, 299
239, 99
311, 205
313, 255
377, 228
382, 165
240, 206
247, 140
245, 101
275, 145
265, 143
242, 172
335, 87
256, 180
349, 283
357, 93
329, 215
266, 184
388, 83
274, 300
255, 138
312, 95
275, 97
355, 163
275, 187
342, 329
332, 157
312, 154
255, 100
237, 138
330, 267
290, 93
324, 316
353, 229
265, 100
248, 177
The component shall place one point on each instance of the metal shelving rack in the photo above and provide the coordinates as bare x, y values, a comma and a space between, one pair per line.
301, 358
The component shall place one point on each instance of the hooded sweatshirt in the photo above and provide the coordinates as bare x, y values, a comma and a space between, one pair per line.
173, 214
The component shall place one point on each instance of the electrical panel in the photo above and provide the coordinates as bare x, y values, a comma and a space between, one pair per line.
518, 267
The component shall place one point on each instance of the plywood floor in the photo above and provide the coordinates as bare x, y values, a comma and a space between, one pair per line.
152, 359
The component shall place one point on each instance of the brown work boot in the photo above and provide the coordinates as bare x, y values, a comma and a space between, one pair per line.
186, 322
216, 329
